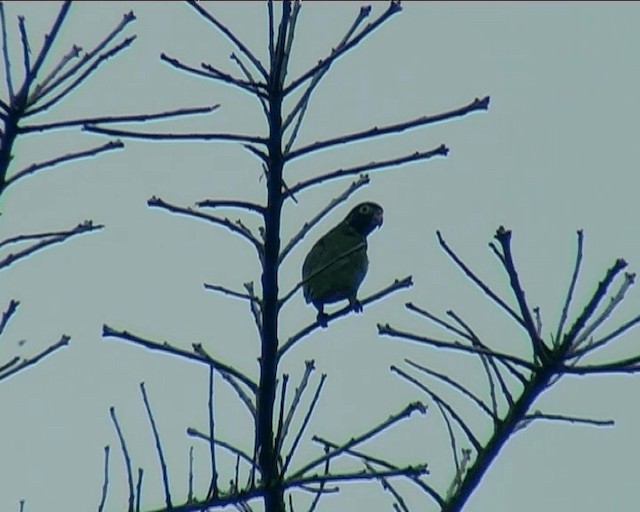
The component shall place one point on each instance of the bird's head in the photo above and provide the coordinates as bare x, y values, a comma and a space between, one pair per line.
365, 217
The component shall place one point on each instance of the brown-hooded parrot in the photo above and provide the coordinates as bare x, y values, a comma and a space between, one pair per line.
337, 263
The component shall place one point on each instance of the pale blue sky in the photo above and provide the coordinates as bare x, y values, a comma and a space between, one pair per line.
557, 151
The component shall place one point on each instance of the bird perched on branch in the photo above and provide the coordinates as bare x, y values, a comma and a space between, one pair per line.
337, 263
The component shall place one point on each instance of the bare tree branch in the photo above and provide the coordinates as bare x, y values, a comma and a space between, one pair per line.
26, 363
475, 105
47, 239
229, 35
394, 7
33, 168
395, 286
572, 286
158, 443
108, 332
386, 329
133, 118
190, 212
125, 454
441, 150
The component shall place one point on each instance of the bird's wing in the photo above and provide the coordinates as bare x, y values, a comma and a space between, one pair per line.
334, 268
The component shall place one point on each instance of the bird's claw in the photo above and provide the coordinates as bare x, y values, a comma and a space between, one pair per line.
322, 319
356, 306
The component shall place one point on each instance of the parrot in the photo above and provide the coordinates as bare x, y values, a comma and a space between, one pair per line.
337, 263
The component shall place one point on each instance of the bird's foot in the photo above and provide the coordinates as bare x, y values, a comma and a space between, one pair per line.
322, 319
355, 305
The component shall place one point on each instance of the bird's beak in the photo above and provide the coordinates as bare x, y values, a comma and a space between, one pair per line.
377, 219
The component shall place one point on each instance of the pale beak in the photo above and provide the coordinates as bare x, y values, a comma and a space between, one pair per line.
377, 218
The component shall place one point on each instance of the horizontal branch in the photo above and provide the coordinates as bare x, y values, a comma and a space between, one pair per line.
475, 105
230, 203
231, 293
537, 415
232, 137
109, 332
133, 118
386, 329
417, 156
409, 472
628, 365
398, 284
109, 146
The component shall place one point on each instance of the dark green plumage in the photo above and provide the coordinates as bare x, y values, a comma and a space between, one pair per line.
337, 263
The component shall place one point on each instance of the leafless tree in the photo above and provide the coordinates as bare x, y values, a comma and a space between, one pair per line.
284, 103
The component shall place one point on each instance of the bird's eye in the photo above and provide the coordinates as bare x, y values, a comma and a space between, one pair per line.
364, 209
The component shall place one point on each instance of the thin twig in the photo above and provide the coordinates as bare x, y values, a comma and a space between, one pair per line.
591, 306
537, 415
190, 212
108, 332
218, 203
213, 488
475, 105
222, 28
477, 281
355, 441
456, 385
125, 454
305, 422
26, 363
5, 54
8, 313
309, 368
40, 90
470, 436
615, 301
109, 146
101, 59
375, 460
504, 237
393, 287
105, 480
393, 8
219, 442
231, 137
231, 293
391, 331
572, 285
132, 118
156, 436
26, 47
441, 150
606, 339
